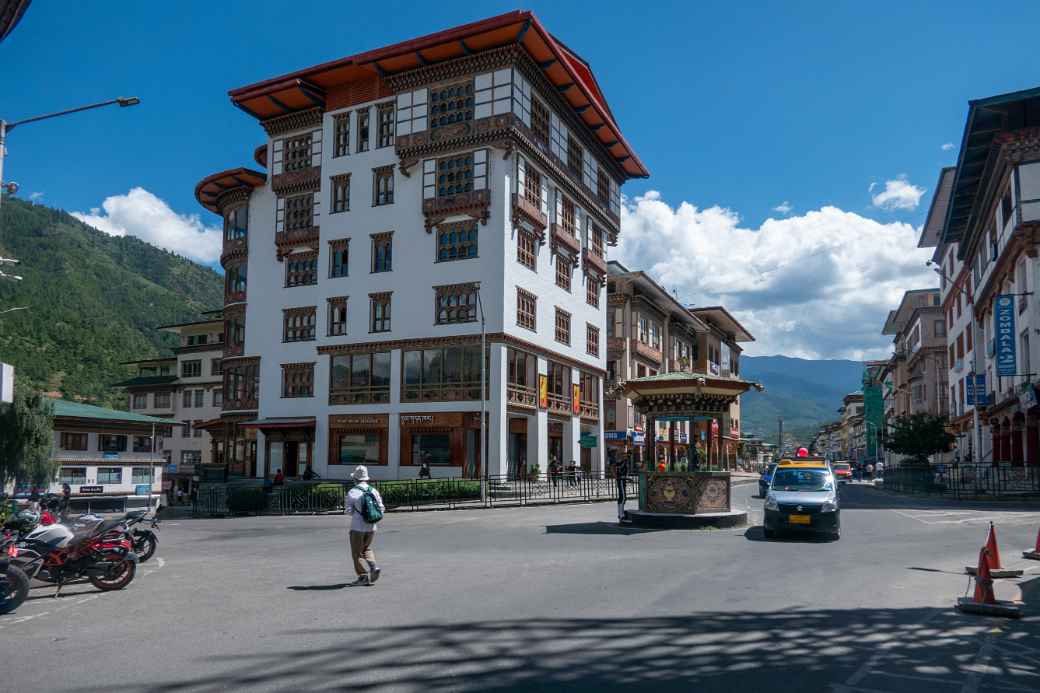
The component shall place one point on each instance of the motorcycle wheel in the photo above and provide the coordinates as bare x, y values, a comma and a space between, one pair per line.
145, 546
118, 578
14, 588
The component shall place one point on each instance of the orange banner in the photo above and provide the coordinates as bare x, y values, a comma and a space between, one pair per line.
543, 391
576, 399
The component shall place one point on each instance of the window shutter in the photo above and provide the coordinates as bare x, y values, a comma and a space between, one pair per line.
316, 147
521, 175
429, 179
480, 166
279, 224
559, 206
277, 146
545, 196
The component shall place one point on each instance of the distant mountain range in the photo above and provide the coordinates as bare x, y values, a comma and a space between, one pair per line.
91, 301
806, 393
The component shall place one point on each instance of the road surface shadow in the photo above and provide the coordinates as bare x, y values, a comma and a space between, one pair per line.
308, 588
757, 533
803, 650
600, 528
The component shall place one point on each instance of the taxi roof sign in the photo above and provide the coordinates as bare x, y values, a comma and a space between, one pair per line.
804, 462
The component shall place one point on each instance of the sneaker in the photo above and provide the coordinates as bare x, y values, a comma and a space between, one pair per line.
362, 581
373, 574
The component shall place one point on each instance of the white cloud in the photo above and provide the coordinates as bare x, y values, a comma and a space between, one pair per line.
35, 197
140, 213
947, 147
817, 285
784, 208
899, 193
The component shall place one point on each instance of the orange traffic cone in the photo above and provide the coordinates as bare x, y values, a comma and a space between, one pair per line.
996, 570
984, 601
1035, 553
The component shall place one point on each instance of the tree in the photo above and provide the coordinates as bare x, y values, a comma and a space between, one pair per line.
26, 437
919, 436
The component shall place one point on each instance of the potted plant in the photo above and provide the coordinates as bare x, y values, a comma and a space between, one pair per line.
533, 472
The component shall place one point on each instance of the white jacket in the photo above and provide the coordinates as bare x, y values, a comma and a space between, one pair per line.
355, 502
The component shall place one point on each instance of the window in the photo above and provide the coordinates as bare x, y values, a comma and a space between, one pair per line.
592, 340
379, 312
359, 448
518, 367
563, 273
199, 394
140, 400
1024, 351
301, 269
385, 112
602, 187
412, 111
596, 241
360, 378
110, 475
529, 183
142, 475
559, 382
339, 256
442, 374
215, 367
191, 369
382, 252
235, 279
186, 399
298, 324
341, 135
456, 303
434, 447
526, 309
299, 212
191, 457
457, 240
1005, 208
73, 476
196, 339
297, 380
451, 104
574, 155
644, 330
592, 286
563, 326
540, 122
362, 130
241, 385
968, 338
337, 316
162, 400
383, 186
197, 430
455, 175
525, 249
234, 331
142, 444
236, 223
218, 398
73, 441
565, 214
297, 153
340, 193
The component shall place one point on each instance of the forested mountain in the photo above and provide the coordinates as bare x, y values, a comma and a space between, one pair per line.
807, 393
93, 301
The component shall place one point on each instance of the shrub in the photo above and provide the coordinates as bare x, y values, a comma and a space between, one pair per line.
427, 491
250, 499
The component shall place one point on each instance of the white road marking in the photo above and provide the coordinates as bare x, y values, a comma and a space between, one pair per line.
962, 517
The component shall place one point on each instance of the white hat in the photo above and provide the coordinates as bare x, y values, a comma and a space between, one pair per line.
360, 473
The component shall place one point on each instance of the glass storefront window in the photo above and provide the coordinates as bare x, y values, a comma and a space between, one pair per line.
434, 447
359, 448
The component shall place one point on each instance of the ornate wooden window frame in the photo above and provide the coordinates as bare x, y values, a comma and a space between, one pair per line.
303, 375
462, 311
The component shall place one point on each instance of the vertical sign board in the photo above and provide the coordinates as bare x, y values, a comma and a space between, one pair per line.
975, 394
6, 383
1004, 319
543, 391
576, 399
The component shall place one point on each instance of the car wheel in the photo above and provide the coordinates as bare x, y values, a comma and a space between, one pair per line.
836, 535
769, 533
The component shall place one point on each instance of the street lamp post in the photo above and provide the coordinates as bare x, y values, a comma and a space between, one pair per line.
5, 127
483, 391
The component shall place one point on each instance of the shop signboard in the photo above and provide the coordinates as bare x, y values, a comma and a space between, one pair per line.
110, 455
543, 391
142, 489
615, 435
587, 440
1027, 397
638, 438
976, 394
1004, 318
89, 490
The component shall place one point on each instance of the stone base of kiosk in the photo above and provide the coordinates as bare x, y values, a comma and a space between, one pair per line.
720, 520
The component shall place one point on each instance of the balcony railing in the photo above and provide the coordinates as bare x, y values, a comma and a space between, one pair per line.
97, 456
559, 404
590, 410
646, 351
521, 396
298, 181
446, 392
615, 344
564, 236
530, 211
594, 261
360, 395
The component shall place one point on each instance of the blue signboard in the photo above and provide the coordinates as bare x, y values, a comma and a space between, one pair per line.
638, 438
171, 468
110, 456
142, 489
615, 435
1004, 322
976, 394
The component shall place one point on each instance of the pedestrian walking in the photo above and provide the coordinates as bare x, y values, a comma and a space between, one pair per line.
66, 498
180, 496
554, 471
879, 470
621, 472
870, 472
365, 507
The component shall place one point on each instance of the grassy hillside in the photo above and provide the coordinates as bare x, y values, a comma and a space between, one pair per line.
806, 393
93, 300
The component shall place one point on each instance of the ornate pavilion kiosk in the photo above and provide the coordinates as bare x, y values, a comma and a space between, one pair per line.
683, 498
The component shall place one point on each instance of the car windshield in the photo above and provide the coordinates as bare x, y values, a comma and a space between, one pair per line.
802, 480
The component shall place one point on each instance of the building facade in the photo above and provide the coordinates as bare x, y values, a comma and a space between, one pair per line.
986, 248
186, 387
417, 198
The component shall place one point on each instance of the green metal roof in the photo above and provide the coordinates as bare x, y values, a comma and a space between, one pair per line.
146, 380
77, 410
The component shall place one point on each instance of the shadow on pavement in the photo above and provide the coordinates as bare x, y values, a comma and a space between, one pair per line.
864, 497
307, 588
757, 533
599, 528
803, 650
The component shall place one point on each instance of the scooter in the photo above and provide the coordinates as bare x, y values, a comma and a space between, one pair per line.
14, 583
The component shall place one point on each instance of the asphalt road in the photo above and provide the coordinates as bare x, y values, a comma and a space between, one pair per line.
551, 598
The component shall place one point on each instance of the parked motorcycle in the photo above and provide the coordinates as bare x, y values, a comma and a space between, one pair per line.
99, 550
14, 583
145, 541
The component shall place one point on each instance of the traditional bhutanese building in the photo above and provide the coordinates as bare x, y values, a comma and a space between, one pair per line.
410, 198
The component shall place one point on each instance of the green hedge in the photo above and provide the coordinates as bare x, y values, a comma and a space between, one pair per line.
427, 491
250, 499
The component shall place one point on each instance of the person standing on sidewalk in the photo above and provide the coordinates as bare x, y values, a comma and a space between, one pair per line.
363, 531
621, 472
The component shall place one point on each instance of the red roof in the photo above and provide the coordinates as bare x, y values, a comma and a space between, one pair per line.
563, 68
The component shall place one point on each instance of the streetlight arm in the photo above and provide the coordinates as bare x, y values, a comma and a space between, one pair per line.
122, 101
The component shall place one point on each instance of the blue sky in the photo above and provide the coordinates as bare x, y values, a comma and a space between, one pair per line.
734, 107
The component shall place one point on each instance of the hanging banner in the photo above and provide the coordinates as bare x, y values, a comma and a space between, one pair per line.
975, 392
543, 392
1004, 319
575, 399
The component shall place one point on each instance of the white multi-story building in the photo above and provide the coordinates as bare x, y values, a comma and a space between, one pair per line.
420, 195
